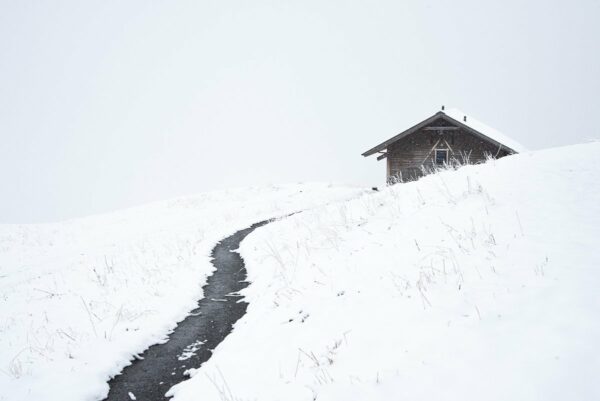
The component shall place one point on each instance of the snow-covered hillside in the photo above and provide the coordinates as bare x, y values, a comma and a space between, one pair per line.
476, 284
79, 298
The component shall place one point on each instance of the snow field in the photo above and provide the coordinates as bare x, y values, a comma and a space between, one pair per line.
479, 283
80, 297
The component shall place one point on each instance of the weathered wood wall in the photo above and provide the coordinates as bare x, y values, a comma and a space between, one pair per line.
414, 155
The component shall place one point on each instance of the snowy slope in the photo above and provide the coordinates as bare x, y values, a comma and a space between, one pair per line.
80, 297
476, 284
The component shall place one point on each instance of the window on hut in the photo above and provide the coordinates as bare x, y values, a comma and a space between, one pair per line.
441, 157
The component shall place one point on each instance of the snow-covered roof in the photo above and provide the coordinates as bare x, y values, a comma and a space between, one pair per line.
458, 118
486, 130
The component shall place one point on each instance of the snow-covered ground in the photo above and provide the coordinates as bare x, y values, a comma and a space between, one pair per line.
78, 298
476, 284
479, 283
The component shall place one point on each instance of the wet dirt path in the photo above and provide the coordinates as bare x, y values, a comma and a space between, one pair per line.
194, 338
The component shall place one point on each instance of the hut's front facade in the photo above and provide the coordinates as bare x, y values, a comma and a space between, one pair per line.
449, 137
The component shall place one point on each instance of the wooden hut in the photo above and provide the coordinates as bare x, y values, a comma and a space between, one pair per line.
447, 138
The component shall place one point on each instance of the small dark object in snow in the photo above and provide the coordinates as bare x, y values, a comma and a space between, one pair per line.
374, 189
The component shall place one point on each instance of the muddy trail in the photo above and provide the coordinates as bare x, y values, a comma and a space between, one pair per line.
190, 345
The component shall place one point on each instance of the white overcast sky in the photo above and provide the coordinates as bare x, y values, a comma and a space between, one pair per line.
109, 104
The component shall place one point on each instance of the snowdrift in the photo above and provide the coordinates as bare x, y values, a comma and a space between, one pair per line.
475, 284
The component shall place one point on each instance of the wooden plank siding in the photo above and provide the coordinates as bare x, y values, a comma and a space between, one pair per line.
409, 157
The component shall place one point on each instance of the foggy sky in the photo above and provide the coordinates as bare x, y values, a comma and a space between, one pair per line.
109, 104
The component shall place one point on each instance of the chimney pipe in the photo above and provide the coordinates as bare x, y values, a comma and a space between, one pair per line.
443, 107
465, 118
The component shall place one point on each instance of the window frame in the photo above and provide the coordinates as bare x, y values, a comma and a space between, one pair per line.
435, 157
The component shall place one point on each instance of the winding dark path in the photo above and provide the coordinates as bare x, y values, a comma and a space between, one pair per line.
194, 338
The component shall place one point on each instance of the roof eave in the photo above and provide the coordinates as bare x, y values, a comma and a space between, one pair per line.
479, 134
412, 129
423, 123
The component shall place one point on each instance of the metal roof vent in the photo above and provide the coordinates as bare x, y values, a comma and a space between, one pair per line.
465, 118
443, 107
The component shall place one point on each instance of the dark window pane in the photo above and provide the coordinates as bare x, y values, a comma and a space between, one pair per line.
440, 157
